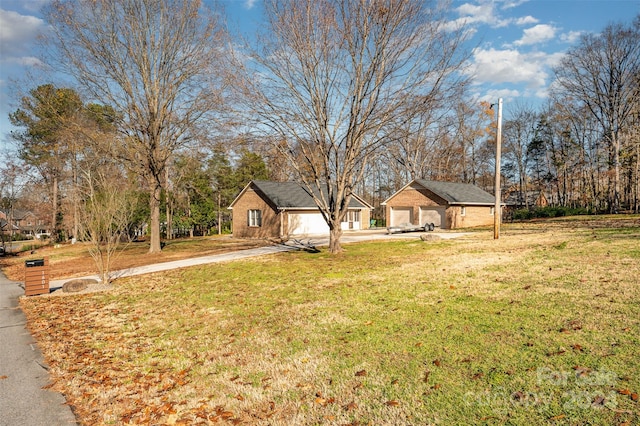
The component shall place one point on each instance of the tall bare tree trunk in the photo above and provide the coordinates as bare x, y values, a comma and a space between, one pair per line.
54, 207
154, 207
615, 205
76, 219
335, 233
168, 210
636, 192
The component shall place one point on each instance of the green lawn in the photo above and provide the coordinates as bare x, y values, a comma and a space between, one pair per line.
539, 327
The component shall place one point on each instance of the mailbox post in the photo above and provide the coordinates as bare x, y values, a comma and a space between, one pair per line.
36, 277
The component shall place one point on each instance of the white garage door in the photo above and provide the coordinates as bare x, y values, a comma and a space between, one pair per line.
401, 215
307, 223
435, 215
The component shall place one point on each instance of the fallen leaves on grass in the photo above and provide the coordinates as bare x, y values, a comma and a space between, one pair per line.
598, 401
558, 352
573, 325
93, 354
351, 406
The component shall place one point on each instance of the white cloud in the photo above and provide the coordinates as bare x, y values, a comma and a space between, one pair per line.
36, 5
512, 67
248, 4
526, 20
485, 13
494, 94
17, 32
482, 13
536, 34
25, 61
510, 4
571, 37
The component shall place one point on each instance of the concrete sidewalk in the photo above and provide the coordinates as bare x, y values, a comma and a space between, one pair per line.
23, 372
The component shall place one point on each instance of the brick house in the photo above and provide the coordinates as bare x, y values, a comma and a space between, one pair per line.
23, 222
267, 209
448, 205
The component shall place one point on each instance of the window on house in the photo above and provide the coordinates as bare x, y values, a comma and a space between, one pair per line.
255, 217
352, 216
493, 209
463, 211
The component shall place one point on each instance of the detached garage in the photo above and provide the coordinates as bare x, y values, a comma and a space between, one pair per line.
448, 205
267, 209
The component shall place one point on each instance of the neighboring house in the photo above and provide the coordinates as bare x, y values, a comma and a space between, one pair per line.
448, 205
6, 228
24, 222
515, 199
267, 209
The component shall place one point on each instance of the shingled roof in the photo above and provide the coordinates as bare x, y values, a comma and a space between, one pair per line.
457, 193
292, 195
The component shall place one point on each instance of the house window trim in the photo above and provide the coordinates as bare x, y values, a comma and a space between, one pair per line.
254, 218
352, 216
463, 210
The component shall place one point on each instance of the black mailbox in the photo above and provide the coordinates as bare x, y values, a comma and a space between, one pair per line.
34, 262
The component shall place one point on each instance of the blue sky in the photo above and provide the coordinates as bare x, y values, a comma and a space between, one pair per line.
516, 42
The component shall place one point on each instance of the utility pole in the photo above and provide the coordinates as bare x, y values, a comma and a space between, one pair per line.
497, 212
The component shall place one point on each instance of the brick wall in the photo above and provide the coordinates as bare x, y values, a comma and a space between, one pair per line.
250, 200
474, 216
415, 197
365, 218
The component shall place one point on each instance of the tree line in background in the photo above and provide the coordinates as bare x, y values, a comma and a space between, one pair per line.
62, 143
354, 96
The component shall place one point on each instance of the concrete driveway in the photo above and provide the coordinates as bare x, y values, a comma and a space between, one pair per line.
23, 372
298, 242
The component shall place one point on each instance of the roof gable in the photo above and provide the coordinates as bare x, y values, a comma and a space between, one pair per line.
22, 214
292, 195
457, 193
452, 192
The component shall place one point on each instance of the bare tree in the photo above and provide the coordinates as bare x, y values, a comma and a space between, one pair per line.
332, 79
601, 74
107, 211
519, 130
154, 62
